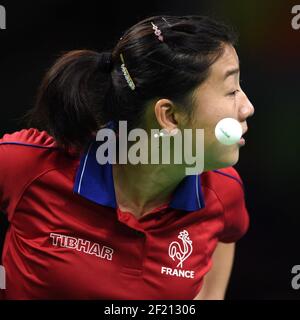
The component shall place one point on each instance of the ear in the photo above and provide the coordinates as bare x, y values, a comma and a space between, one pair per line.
165, 112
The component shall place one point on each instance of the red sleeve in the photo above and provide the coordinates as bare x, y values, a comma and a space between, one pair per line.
19, 162
232, 197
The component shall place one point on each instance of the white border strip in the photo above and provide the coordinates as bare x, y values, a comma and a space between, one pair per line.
2, 278
84, 166
197, 191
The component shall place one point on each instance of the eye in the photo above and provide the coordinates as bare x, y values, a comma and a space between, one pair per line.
233, 93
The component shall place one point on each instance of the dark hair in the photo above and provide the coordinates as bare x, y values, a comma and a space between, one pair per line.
85, 89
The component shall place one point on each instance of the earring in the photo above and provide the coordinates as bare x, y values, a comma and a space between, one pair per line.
165, 133
174, 131
156, 135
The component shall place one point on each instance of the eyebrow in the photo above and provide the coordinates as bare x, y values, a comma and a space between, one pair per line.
231, 72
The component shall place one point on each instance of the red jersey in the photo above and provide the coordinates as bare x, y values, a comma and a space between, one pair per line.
67, 238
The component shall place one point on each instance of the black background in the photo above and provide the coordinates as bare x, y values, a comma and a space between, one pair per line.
269, 50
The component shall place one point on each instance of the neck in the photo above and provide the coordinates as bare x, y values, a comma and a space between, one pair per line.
141, 188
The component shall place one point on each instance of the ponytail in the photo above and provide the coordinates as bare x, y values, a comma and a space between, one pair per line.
69, 102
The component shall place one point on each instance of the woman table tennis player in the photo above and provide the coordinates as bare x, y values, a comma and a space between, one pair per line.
79, 229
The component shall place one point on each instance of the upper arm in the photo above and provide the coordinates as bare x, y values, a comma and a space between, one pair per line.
216, 280
8, 180
21, 158
11, 177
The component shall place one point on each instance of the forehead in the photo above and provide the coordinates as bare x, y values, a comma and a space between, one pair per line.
227, 61
216, 79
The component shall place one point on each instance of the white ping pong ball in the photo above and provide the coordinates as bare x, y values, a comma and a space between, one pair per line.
228, 131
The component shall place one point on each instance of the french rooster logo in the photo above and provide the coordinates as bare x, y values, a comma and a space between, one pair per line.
181, 251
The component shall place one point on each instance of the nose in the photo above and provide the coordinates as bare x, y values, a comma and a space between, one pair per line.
246, 110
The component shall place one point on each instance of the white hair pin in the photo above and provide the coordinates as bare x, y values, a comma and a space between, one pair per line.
126, 73
157, 32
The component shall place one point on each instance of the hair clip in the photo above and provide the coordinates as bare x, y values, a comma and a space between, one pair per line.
126, 74
157, 32
165, 20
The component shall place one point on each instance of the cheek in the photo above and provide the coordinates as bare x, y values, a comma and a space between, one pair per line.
211, 109
216, 155
208, 118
